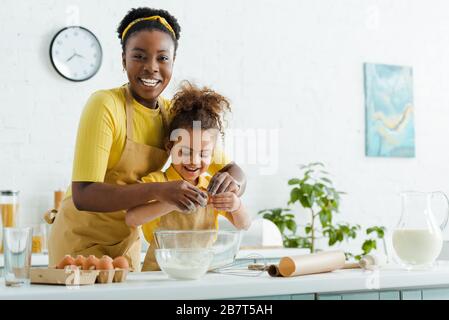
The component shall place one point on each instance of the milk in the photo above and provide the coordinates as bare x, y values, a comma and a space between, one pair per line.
185, 271
417, 246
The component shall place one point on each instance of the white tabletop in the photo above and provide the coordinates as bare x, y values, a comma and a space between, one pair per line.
156, 285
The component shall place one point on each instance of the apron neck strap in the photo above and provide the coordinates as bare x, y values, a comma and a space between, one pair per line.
164, 115
129, 113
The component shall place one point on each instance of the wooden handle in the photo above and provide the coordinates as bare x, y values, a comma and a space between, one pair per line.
353, 265
58, 196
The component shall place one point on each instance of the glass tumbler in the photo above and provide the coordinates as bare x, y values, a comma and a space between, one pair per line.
17, 247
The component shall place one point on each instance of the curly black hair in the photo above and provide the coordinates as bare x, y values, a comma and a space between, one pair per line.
192, 103
144, 12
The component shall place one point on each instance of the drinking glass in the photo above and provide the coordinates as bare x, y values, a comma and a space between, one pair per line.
17, 246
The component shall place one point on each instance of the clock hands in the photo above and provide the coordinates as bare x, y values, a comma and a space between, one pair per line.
74, 55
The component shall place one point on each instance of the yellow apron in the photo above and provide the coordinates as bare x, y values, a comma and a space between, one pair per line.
82, 232
201, 219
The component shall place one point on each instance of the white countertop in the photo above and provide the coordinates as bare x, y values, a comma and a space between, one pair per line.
156, 285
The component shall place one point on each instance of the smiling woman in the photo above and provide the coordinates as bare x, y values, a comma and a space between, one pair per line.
149, 44
120, 139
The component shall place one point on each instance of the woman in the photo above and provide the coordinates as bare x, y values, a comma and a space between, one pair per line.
120, 139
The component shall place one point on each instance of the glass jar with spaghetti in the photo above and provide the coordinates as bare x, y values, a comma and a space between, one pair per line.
9, 207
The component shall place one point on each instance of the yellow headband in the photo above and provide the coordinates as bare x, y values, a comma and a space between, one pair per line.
152, 18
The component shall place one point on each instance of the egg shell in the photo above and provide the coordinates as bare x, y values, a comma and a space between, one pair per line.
105, 263
121, 263
108, 258
91, 263
79, 261
66, 261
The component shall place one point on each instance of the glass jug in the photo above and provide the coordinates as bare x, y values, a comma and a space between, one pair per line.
417, 239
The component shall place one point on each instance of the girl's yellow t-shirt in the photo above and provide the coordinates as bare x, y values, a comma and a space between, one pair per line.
102, 134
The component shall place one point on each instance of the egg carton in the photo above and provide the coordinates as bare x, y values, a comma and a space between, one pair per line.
70, 277
113, 275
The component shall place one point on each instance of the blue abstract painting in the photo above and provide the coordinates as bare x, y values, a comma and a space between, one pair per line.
390, 130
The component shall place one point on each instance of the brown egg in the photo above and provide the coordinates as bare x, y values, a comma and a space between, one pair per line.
105, 263
108, 258
66, 261
79, 261
120, 263
91, 263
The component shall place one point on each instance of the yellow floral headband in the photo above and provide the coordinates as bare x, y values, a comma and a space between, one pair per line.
152, 18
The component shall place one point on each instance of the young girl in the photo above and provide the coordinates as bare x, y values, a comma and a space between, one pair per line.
193, 131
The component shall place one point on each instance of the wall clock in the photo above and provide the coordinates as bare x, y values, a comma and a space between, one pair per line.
76, 53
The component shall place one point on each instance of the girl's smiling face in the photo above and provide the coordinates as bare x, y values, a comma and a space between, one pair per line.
148, 60
192, 153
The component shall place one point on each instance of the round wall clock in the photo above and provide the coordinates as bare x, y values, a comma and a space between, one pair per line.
76, 53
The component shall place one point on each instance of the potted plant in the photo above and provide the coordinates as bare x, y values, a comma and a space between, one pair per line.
315, 192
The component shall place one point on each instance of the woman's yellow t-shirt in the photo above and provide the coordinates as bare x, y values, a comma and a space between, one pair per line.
172, 175
102, 134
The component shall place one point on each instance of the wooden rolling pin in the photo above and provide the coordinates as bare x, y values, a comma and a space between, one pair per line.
307, 264
316, 263
312, 263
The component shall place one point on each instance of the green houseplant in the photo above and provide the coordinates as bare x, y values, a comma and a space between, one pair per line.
315, 192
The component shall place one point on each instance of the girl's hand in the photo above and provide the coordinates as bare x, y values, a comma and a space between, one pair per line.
182, 195
222, 182
227, 201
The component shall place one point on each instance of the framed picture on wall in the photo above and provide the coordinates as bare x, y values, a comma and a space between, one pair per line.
390, 130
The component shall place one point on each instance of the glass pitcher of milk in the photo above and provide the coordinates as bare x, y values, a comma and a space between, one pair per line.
417, 239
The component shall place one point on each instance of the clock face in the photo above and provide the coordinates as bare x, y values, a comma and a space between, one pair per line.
76, 53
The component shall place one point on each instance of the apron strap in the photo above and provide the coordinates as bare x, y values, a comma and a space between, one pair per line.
164, 113
129, 114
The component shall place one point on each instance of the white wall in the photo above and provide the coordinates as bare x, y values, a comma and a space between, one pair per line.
292, 65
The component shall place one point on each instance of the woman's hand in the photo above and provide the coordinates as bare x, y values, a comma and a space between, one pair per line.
227, 201
223, 182
181, 194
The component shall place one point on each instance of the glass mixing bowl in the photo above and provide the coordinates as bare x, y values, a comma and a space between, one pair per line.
184, 264
224, 244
